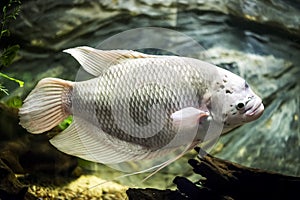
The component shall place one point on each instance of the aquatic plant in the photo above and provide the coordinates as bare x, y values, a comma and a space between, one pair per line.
14, 102
3, 89
64, 124
10, 11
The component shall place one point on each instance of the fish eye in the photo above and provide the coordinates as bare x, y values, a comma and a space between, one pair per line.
240, 105
246, 85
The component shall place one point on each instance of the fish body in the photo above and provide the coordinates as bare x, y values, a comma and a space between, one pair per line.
137, 106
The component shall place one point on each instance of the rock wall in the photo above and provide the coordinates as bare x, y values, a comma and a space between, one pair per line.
254, 38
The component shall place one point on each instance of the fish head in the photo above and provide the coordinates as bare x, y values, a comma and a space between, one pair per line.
240, 103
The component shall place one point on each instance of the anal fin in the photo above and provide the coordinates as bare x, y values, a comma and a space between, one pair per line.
84, 140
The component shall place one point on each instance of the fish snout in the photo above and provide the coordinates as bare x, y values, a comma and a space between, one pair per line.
254, 109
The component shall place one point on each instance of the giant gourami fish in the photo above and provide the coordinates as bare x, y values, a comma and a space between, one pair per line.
137, 106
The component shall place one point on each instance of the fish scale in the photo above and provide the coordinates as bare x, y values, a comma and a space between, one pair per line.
139, 106
153, 94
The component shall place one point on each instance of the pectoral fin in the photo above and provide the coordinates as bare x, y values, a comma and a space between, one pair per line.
188, 117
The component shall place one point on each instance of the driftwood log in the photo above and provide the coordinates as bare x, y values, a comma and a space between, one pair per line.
225, 180
10, 186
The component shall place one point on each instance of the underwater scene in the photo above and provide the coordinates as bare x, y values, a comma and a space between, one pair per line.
149, 99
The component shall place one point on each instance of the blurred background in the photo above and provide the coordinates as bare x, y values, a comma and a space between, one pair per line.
256, 39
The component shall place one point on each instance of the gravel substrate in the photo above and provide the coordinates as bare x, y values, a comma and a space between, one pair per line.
81, 188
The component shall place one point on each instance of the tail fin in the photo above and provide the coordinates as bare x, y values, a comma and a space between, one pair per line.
47, 105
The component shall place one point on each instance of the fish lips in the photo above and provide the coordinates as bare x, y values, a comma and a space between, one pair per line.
254, 109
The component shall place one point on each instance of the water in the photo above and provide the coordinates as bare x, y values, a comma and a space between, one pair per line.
250, 38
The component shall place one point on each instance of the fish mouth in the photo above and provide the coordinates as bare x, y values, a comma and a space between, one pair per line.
254, 110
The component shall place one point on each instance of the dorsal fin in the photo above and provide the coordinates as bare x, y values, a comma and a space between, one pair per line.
95, 61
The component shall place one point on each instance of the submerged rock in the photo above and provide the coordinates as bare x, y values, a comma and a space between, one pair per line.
25, 153
272, 142
264, 13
